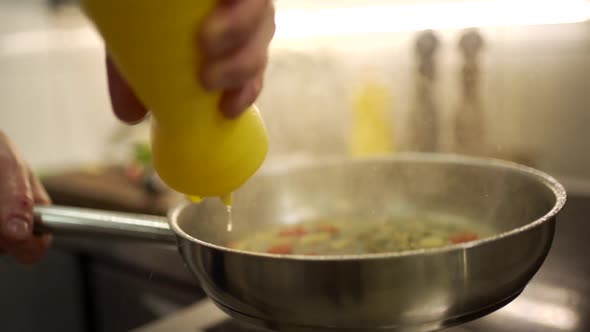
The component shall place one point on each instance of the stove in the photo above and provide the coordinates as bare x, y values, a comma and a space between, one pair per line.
540, 308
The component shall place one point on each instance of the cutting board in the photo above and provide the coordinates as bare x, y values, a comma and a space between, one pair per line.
105, 188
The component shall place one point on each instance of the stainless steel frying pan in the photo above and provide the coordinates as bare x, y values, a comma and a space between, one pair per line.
419, 290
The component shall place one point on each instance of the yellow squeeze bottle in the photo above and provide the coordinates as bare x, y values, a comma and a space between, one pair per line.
196, 150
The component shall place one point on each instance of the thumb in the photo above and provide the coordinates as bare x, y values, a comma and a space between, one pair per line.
40, 195
16, 197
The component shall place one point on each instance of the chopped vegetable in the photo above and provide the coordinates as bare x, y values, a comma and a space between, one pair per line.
360, 236
328, 229
281, 249
298, 230
463, 237
314, 238
341, 243
432, 242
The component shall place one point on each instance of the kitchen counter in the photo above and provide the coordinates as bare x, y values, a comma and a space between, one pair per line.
557, 299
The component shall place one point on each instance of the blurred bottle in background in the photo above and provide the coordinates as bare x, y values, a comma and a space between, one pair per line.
469, 122
423, 119
372, 129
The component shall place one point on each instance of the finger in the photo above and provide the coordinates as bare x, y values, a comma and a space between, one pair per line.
32, 250
231, 24
234, 102
16, 198
125, 103
236, 69
40, 195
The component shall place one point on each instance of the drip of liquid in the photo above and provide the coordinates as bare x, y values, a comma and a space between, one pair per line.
195, 199
230, 222
227, 201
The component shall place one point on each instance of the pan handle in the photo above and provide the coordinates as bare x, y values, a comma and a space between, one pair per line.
71, 221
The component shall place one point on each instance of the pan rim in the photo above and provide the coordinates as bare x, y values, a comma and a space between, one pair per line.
558, 190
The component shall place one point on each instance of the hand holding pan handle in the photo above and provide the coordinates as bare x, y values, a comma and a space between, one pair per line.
61, 220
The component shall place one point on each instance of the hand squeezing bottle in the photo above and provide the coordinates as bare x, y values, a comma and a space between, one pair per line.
196, 150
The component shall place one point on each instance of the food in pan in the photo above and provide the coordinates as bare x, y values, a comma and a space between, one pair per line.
346, 237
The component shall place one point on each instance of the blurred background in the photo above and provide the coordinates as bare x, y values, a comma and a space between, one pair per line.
505, 79
523, 85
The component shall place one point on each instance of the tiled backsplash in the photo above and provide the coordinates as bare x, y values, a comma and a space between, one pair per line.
53, 100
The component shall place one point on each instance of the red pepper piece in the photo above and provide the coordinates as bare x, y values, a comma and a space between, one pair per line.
281, 249
463, 237
293, 231
328, 229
